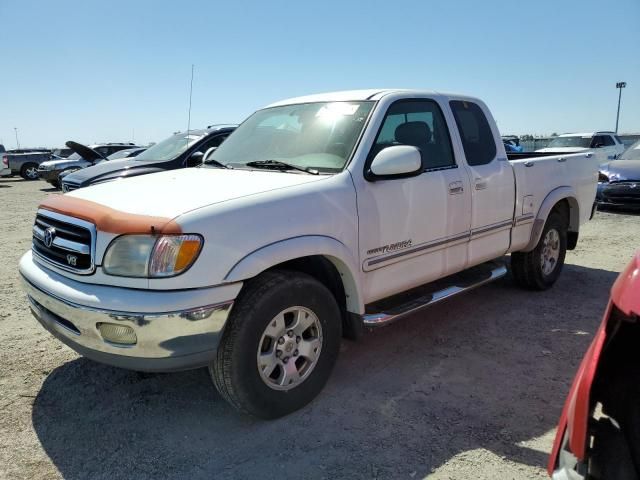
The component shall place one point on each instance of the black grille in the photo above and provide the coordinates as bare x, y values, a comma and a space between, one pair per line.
71, 245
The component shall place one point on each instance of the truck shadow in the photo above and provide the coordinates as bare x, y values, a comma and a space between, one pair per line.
489, 370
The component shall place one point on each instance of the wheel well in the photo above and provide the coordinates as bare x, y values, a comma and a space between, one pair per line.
323, 270
568, 209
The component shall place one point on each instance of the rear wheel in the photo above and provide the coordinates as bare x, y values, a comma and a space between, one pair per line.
279, 346
29, 171
540, 268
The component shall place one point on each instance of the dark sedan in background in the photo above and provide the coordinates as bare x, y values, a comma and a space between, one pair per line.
185, 149
619, 180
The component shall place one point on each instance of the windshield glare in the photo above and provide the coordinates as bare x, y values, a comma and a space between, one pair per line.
310, 135
631, 153
578, 142
170, 148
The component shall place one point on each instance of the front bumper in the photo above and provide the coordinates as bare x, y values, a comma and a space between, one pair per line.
49, 175
179, 339
620, 194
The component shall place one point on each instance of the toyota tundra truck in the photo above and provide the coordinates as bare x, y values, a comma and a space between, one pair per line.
319, 217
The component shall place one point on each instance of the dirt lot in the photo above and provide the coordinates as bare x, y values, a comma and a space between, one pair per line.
471, 388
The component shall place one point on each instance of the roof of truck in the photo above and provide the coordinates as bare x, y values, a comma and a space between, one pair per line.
347, 95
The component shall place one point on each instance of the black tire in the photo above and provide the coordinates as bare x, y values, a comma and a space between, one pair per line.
235, 371
610, 456
526, 267
29, 171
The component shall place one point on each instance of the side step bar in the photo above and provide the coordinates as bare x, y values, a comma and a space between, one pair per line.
390, 309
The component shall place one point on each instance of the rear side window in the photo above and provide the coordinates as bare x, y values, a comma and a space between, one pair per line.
608, 141
475, 132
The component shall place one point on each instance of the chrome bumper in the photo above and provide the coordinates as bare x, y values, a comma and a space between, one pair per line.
164, 341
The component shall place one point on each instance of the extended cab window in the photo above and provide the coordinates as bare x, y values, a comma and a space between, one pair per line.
475, 132
419, 123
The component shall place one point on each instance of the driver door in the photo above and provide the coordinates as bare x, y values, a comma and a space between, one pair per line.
413, 230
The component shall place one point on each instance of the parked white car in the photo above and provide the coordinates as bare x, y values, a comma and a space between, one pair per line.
317, 217
606, 146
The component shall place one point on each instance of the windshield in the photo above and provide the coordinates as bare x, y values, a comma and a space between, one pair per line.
632, 153
122, 154
576, 141
311, 135
170, 148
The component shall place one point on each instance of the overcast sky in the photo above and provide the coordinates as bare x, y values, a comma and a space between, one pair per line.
97, 71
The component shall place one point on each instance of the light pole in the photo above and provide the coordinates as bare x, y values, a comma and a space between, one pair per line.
17, 142
619, 86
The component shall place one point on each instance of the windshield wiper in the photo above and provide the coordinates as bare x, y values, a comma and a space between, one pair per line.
211, 161
278, 165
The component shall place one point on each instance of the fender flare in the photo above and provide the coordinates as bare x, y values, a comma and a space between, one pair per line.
552, 198
284, 250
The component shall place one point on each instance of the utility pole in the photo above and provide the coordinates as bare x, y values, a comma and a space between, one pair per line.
17, 141
619, 86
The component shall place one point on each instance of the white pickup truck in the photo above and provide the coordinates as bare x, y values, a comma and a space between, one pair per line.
319, 216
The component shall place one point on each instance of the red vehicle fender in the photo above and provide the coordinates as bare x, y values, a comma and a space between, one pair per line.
625, 295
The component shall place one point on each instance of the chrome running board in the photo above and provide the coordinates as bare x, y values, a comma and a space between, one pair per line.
392, 308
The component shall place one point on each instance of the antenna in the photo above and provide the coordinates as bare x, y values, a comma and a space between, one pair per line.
190, 95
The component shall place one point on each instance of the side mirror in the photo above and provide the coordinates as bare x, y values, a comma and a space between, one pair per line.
195, 159
397, 161
208, 153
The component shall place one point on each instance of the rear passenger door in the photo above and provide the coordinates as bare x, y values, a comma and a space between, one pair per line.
492, 182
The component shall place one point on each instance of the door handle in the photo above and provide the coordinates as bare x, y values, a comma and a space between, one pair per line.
562, 159
455, 188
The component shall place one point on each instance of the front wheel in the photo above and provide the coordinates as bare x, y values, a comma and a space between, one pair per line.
279, 346
540, 268
29, 171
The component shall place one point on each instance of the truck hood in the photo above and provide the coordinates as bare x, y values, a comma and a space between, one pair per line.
563, 150
175, 192
622, 170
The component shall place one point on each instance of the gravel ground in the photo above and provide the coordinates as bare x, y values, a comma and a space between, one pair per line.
471, 388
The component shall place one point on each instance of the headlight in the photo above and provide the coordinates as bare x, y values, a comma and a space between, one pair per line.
602, 178
151, 256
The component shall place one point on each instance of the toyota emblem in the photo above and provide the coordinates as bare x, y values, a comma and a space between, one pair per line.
49, 235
